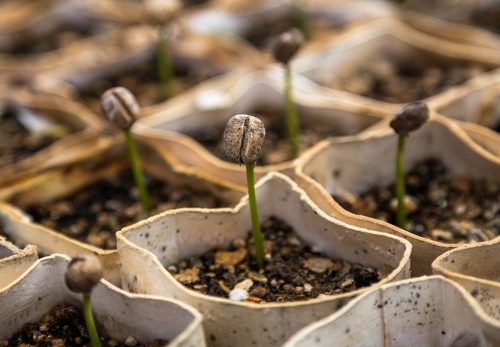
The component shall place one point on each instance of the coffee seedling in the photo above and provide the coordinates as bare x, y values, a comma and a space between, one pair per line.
408, 119
83, 273
299, 17
284, 48
162, 13
121, 108
243, 141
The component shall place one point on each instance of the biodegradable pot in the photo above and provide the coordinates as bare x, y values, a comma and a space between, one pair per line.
22, 19
86, 59
127, 12
329, 61
483, 13
14, 261
340, 13
58, 183
211, 106
83, 126
147, 247
355, 165
199, 57
118, 314
427, 311
234, 17
475, 267
477, 103
455, 32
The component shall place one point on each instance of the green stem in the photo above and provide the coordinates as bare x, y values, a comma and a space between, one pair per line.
400, 184
300, 19
254, 213
292, 121
89, 321
165, 67
135, 163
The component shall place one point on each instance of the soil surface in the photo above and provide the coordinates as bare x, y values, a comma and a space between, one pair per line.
64, 326
17, 142
293, 271
49, 43
276, 147
392, 80
143, 81
441, 207
95, 213
487, 17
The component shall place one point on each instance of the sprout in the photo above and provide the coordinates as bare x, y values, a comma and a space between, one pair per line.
121, 108
284, 48
243, 141
84, 272
161, 13
408, 119
299, 17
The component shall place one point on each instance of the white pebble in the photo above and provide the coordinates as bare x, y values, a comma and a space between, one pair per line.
245, 284
308, 288
238, 294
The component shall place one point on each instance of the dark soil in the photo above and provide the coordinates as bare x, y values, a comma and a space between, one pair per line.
144, 83
276, 147
49, 43
487, 17
95, 213
64, 326
292, 272
391, 79
17, 143
443, 207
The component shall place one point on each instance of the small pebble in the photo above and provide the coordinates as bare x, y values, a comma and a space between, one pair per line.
131, 341
440, 234
308, 288
238, 294
245, 284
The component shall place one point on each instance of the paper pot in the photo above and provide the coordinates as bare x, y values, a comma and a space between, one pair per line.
210, 106
84, 60
58, 183
336, 62
118, 314
145, 248
427, 311
476, 103
196, 58
452, 31
14, 261
356, 165
24, 19
130, 12
475, 267
234, 17
81, 124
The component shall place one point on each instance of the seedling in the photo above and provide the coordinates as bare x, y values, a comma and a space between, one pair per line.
243, 141
284, 48
162, 13
300, 18
83, 273
408, 119
165, 64
121, 108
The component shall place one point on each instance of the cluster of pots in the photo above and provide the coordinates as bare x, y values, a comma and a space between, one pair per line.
433, 293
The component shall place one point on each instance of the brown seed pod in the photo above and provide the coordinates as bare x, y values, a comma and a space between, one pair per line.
84, 273
244, 138
411, 117
286, 45
120, 106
